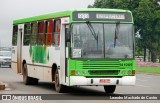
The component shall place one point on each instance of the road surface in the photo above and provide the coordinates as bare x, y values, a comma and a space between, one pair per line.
145, 84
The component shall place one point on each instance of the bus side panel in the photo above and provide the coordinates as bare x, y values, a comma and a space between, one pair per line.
26, 54
40, 58
54, 56
40, 64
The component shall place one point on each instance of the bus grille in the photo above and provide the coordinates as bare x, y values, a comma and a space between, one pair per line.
98, 64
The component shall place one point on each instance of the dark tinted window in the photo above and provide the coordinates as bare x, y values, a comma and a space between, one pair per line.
27, 33
49, 32
40, 35
14, 36
56, 36
33, 33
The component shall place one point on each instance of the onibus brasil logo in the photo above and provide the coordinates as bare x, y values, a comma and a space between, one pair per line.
21, 97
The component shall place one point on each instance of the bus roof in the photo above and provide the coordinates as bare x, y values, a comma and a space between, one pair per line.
63, 14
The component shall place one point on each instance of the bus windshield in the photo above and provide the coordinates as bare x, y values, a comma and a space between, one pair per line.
99, 40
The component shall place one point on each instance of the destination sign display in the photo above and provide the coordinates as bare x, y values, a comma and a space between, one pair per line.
102, 16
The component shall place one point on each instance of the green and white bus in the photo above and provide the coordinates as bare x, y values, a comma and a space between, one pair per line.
85, 47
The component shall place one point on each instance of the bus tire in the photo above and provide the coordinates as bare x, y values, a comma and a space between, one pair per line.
34, 81
26, 79
110, 88
58, 87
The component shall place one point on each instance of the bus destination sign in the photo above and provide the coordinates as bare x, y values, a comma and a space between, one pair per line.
110, 16
101, 16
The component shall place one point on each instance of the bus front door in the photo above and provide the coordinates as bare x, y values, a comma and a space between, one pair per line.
64, 54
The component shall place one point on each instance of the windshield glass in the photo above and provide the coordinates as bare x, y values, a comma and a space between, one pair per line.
85, 42
98, 40
5, 53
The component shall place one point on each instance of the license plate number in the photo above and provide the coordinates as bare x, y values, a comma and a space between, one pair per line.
104, 81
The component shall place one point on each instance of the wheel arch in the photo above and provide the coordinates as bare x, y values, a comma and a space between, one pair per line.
24, 62
54, 67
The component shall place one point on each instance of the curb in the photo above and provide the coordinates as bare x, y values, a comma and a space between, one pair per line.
2, 86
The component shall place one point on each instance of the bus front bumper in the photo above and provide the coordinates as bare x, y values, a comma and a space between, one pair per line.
82, 81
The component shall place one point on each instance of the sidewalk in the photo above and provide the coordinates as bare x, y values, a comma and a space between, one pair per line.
2, 86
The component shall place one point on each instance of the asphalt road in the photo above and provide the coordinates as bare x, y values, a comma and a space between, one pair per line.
145, 84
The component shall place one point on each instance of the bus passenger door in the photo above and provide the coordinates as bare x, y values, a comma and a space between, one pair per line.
67, 49
19, 47
63, 50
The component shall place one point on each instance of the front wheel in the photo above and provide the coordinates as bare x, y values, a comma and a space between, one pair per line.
110, 88
58, 87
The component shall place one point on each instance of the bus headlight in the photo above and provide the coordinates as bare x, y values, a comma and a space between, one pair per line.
84, 72
129, 72
78, 72
72, 72
123, 72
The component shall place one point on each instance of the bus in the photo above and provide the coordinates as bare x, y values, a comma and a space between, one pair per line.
85, 47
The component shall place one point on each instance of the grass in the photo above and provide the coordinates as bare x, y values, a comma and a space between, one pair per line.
148, 69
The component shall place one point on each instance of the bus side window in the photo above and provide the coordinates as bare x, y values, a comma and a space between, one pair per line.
48, 32
56, 37
40, 35
27, 33
14, 36
33, 33
67, 34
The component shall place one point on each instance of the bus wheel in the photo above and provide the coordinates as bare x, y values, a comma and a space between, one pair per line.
27, 80
59, 87
34, 81
110, 88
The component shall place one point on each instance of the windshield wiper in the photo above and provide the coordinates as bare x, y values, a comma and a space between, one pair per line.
92, 30
116, 33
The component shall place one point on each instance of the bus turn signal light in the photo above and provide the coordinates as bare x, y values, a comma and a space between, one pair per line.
133, 72
73, 72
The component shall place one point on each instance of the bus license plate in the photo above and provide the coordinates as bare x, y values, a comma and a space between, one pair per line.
104, 81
